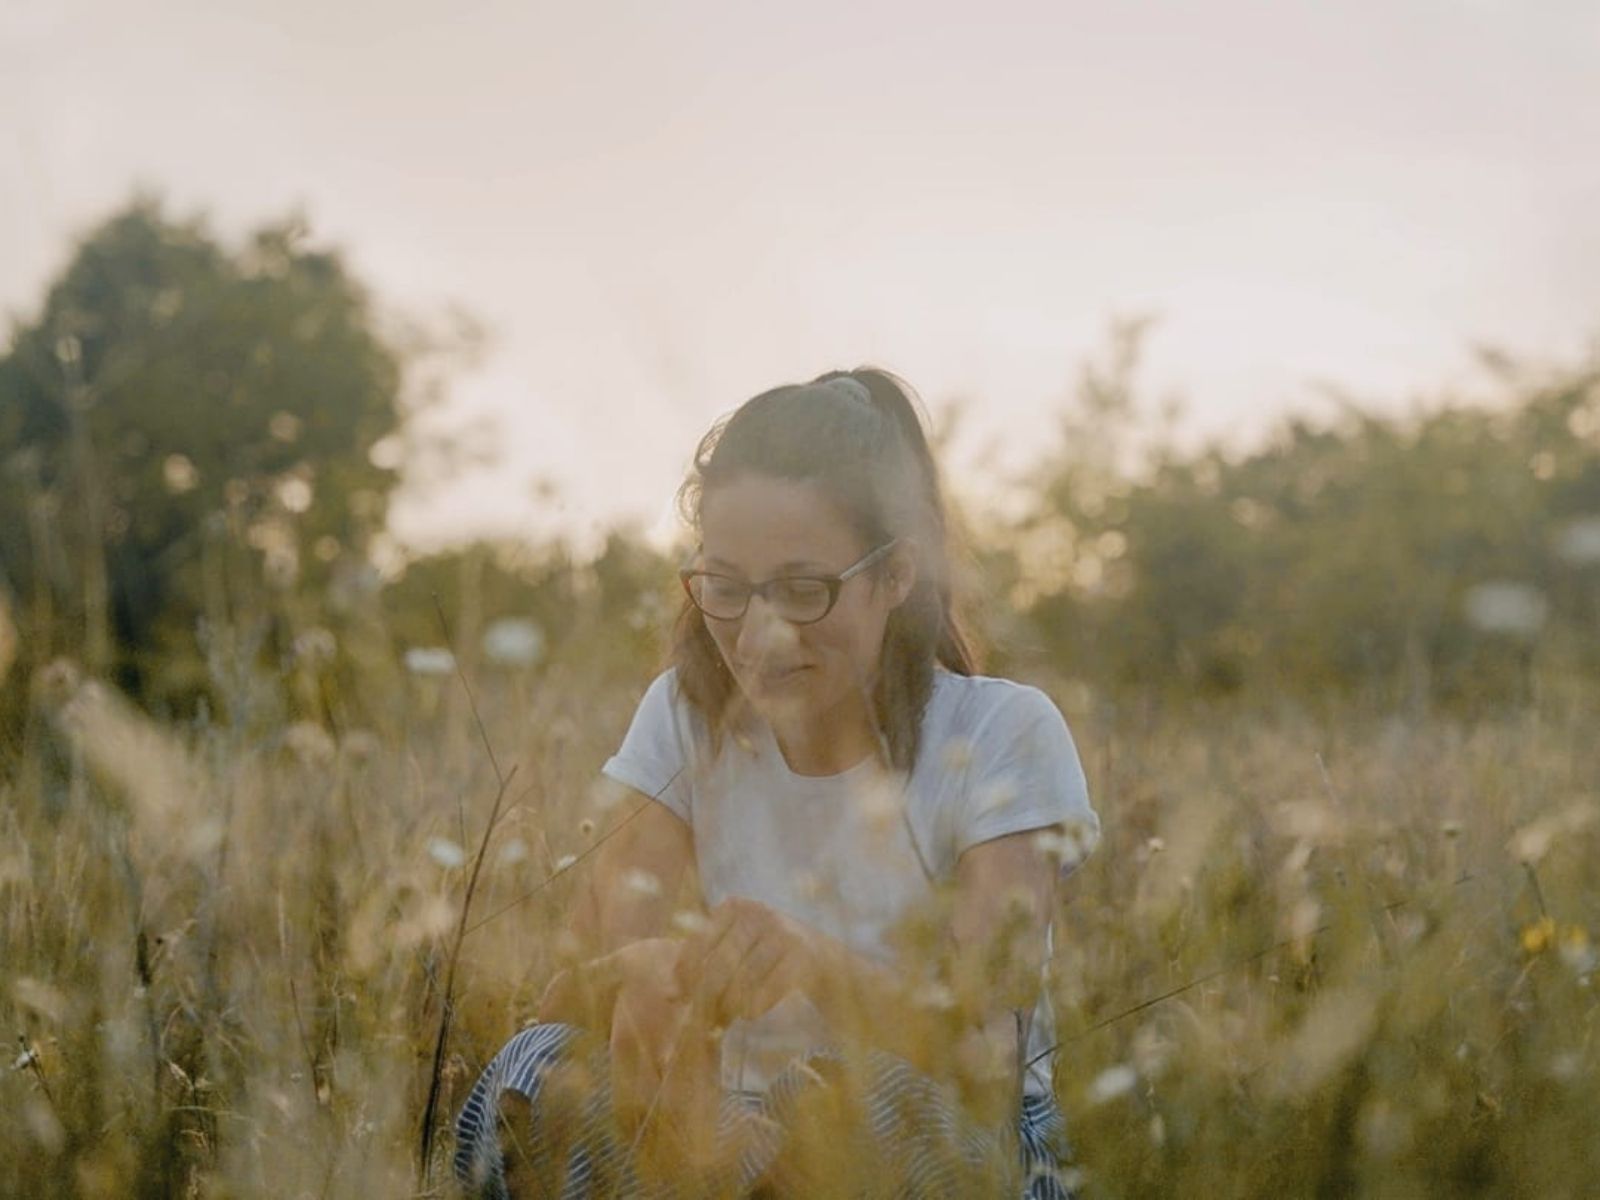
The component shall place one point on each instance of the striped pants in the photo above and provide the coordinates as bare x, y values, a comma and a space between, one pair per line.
911, 1132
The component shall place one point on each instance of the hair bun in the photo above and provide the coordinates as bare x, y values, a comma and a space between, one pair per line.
851, 386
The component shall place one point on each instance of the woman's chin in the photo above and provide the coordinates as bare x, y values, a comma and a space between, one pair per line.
786, 696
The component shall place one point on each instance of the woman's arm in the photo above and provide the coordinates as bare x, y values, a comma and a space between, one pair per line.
1004, 890
638, 877
630, 889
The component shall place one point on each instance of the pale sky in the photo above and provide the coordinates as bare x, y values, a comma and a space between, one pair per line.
661, 208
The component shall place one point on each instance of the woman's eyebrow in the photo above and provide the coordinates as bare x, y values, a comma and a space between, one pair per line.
791, 565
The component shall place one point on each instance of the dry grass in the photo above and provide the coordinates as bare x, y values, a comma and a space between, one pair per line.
223, 951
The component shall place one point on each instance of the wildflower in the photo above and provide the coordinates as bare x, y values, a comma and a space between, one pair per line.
1530, 843
446, 853
295, 493
315, 645
1071, 845
179, 474
1536, 938
514, 642
1579, 541
936, 996
284, 426
686, 920
1565, 1067
513, 852
430, 660
641, 883
1506, 606
1112, 1083
309, 743
1577, 951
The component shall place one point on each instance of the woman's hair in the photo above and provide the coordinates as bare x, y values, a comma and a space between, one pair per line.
858, 437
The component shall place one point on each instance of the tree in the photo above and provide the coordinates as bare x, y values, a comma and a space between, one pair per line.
1440, 556
181, 418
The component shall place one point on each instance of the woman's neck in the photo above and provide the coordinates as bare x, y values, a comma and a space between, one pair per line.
830, 743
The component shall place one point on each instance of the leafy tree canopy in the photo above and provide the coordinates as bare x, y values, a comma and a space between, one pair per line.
175, 402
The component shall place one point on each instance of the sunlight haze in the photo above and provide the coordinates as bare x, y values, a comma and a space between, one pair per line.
657, 210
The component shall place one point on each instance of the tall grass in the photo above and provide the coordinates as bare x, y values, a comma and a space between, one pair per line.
1368, 940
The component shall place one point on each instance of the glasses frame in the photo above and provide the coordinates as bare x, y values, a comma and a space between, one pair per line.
834, 584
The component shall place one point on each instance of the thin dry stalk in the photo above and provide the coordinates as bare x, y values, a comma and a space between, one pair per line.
447, 1007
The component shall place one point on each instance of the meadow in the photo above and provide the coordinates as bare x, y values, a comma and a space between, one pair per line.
1317, 953
1335, 692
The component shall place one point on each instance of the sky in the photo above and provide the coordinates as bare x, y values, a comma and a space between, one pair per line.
658, 209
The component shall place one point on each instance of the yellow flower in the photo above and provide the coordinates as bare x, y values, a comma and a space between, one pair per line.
1536, 938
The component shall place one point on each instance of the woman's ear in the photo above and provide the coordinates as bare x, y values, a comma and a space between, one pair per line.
901, 574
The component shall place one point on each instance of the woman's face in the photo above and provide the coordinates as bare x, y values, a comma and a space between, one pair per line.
757, 527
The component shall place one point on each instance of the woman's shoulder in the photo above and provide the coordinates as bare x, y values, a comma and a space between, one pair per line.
664, 707
967, 704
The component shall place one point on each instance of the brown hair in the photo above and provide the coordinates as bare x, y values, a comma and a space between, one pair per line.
859, 437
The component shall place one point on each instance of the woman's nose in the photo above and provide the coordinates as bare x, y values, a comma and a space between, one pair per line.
763, 634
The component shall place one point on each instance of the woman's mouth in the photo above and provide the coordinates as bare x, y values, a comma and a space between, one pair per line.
770, 680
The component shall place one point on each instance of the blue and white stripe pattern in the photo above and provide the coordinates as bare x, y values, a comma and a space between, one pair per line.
909, 1117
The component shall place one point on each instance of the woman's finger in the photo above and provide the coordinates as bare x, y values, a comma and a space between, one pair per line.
720, 972
690, 966
764, 978
635, 1075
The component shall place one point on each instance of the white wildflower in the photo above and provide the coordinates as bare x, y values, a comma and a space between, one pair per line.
513, 852
1533, 841
514, 642
446, 853
1112, 1083
641, 883
179, 474
295, 493
284, 426
1506, 606
936, 996
687, 921
430, 660
316, 645
1579, 541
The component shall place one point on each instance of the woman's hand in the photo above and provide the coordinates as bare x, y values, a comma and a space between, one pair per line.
585, 993
648, 1013
749, 957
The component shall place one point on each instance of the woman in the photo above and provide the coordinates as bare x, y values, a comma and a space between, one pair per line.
814, 945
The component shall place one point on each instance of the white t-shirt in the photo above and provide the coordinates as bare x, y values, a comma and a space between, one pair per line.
853, 854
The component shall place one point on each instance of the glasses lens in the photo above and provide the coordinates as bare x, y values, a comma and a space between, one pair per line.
800, 599
719, 596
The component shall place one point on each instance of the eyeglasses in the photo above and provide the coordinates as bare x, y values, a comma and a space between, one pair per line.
798, 599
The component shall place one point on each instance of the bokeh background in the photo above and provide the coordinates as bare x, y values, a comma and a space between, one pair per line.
355, 352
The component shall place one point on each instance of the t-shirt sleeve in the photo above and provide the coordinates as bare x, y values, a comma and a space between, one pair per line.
1025, 774
656, 755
